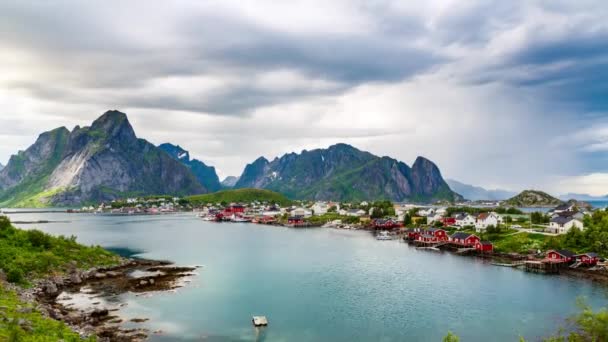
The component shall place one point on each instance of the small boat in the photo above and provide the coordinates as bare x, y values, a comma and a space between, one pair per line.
383, 235
240, 219
259, 321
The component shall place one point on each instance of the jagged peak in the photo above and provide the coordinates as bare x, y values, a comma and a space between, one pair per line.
262, 160
423, 162
114, 123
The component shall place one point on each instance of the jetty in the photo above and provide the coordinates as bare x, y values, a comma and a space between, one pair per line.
514, 264
259, 321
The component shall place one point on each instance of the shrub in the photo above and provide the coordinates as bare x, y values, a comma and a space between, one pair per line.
39, 239
5, 222
15, 275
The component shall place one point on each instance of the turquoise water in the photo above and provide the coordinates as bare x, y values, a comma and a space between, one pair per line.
324, 284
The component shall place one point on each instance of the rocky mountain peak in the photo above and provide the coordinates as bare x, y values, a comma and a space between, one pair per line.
114, 124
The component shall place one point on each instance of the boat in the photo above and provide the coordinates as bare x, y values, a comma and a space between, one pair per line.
383, 235
240, 219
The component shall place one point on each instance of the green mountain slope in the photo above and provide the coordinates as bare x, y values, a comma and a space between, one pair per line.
345, 173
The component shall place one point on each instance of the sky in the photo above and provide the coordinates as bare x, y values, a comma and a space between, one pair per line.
500, 94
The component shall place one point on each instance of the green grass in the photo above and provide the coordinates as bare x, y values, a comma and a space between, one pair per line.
240, 196
31, 254
518, 243
37, 200
42, 329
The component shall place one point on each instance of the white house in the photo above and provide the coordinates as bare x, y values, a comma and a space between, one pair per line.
320, 208
433, 217
426, 212
301, 212
562, 224
356, 212
487, 219
465, 220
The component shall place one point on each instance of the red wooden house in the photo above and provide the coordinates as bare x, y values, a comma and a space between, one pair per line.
385, 224
295, 220
432, 235
413, 233
588, 259
464, 239
484, 246
559, 256
448, 221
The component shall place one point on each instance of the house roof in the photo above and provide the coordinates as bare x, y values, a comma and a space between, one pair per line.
564, 252
562, 219
564, 206
460, 216
483, 216
590, 254
460, 235
432, 230
430, 236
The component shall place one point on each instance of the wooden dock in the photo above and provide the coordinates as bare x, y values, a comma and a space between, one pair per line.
515, 264
542, 266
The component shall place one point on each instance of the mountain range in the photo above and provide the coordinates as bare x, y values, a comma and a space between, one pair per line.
476, 193
342, 172
106, 161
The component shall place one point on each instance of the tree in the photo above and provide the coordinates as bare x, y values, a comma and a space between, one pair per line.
407, 219
508, 219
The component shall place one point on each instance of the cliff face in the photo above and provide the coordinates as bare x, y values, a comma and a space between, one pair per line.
345, 173
97, 163
206, 175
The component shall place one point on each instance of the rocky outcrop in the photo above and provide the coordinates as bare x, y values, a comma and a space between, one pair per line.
230, 181
345, 173
97, 163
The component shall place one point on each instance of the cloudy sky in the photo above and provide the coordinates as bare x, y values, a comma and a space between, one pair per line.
510, 94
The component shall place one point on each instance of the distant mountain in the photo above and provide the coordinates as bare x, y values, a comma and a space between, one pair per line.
582, 197
533, 198
1, 166
230, 181
206, 175
476, 193
342, 172
97, 163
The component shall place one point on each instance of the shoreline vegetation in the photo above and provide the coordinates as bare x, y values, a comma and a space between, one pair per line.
43, 278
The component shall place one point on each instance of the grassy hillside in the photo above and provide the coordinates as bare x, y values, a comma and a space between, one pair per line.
26, 255
34, 327
31, 254
240, 196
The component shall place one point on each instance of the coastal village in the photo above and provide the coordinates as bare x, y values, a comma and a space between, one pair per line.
484, 230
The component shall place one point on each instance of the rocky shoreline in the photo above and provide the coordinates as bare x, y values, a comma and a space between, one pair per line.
54, 296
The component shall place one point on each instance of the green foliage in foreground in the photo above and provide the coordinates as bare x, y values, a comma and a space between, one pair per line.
42, 329
240, 196
587, 326
29, 254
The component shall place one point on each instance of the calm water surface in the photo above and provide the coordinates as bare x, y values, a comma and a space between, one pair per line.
324, 284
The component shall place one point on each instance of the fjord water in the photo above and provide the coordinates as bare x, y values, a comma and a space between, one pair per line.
324, 284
